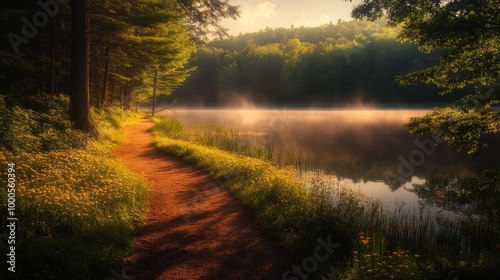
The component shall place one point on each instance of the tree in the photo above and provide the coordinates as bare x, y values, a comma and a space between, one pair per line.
340, 64
79, 104
467, 34
200, 16
203, 17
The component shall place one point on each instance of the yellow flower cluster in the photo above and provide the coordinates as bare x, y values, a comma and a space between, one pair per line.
391, 265
73, 190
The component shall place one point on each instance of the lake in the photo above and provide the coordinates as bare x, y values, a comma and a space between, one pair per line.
367, 150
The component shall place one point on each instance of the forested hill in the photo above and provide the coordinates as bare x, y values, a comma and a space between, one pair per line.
330, 65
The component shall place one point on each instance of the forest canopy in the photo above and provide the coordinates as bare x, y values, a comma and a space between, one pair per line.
101, 52
353, 62
467, 34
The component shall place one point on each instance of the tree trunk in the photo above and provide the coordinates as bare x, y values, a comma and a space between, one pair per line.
129, 98
44, 69
53, 59
112, 91
102, 98
122, 86
154, 92
125, 97
79, 103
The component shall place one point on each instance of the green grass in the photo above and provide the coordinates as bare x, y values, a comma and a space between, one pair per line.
216, 137
375, 243
76, 205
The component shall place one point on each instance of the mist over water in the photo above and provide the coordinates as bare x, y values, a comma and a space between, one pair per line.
357, 147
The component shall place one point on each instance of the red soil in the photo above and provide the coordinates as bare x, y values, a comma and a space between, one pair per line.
194, 229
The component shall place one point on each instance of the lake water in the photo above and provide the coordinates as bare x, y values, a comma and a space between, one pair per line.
367, 150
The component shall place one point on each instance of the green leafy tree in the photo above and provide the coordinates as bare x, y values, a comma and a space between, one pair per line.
203, 17
335, 65
467, 35
200, 18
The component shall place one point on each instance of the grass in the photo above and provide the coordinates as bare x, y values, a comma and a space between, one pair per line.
216, 137
374, 243
76, 205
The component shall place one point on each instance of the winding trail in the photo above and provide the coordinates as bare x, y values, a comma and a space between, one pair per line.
194, 229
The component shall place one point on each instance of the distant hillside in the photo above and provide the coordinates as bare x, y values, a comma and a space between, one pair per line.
330, 65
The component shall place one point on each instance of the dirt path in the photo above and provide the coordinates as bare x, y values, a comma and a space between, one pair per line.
194, 229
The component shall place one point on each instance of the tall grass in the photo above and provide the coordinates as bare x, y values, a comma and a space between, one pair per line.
75, 204
249, 143
375, 243
227, 139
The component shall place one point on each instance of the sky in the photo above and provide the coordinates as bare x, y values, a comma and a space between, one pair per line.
259, 14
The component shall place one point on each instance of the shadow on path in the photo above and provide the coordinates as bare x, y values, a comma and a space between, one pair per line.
194, 229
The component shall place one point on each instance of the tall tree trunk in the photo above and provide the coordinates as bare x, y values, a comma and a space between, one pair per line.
129, 98
154, 92
122, 86
53, 59
112, 91
79, 103
102, 98
44, 72
125, 96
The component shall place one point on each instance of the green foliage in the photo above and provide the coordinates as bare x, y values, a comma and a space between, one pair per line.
41, 124
149, 35
13, 70
203, 16
477, 195
216, 137
461, 128
467, 36
390, 265
77, 209
127, 41
110, 121
77, 205
333, 64
44, 127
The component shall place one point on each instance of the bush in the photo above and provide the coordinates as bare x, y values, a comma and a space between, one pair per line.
44, 126
76, 205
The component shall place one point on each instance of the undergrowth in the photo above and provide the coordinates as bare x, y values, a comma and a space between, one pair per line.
76, 206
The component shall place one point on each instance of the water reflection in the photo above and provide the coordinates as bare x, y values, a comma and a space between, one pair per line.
359, 147
476, 196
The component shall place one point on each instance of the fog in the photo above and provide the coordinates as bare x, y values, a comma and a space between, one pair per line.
357, 146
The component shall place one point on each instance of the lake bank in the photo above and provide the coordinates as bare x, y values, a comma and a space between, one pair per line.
194, 229
298, 216
357, 147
